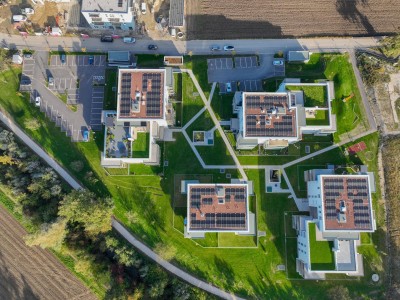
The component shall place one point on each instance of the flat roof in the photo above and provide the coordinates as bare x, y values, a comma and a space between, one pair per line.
269, 115
176, 13
141, 94
217, 207
105, 5
299, 55
346, 201
118, 56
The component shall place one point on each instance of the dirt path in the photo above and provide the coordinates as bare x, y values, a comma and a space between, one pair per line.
31, 272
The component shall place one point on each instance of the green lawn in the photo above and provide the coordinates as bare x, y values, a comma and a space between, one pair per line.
202, 123
150, 60
222, 105
110, 95
321, 253
192, 102
335, 67
271, 84
141, 145
229, 239
177, 102
144, 205
217, 154
321, 118
313, 95
198, 64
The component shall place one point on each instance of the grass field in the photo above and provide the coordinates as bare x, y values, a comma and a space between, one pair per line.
141, 146
321, 118
222, 105
144, 204
217, 154
192, 102
321, 253
313, 95
110, 95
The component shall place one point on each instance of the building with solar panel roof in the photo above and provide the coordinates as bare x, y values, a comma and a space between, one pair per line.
277, 119
142, 115
218, 208
340, 210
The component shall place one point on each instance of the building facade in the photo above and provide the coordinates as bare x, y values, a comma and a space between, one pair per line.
114, 15
340, 210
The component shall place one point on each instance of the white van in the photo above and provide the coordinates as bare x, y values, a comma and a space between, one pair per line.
173, 32
144, 8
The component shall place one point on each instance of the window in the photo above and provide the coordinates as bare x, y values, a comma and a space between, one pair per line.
94, 15
119, 3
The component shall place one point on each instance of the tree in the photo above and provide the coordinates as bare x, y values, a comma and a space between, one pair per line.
50, 236
85, 208
338, 293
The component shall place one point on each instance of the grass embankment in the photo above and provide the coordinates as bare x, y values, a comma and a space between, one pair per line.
177, 102
110, 91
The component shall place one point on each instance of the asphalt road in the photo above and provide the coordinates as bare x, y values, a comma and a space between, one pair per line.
264, 46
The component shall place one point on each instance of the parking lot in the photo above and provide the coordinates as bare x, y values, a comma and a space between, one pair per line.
80, 81
250, 86
220, 64
240, 68
246, 62
78, 60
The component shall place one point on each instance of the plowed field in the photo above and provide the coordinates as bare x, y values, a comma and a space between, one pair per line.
222, 19
31, 272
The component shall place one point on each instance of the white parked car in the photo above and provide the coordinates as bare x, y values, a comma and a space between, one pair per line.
37, 101
51, 81
129, 40
229, 48
278, 62
28, 11
144, 8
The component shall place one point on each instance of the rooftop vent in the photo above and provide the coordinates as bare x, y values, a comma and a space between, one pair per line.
342, 217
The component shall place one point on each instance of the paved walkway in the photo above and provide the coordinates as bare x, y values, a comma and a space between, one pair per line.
216, 122
170, 267
39, 151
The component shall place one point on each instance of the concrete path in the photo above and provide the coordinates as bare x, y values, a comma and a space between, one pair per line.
170, 267
216, 122
39, 151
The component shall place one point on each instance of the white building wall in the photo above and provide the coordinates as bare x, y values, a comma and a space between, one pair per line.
107, 20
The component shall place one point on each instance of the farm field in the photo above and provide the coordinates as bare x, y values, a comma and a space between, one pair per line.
23, 280
210, 19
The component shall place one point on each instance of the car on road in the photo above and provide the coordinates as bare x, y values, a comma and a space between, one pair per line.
229, 48
129, 40
228, 87
215, 48
37, 101
106, 39
152, 47
51, 81
278, 62
28, 55
91, 60
63, 58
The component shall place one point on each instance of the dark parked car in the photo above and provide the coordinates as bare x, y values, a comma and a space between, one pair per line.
91, 59
152, 47
107, 39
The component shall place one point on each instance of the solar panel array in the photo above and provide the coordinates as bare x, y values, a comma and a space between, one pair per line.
354, 192
204, 199
125, 95
219, 220
152, 84
264, 122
